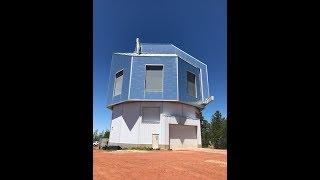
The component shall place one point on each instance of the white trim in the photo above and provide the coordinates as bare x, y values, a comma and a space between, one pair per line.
151, 100
109, 106
157, 43
162, 83
155, 100
147, 54
130, 78
201, 85
208, 81
145, 76
175, 115
189, 55
115, 76
196, 85
177, 68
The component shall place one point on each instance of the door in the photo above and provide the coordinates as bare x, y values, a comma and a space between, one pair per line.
155, 141
182, 136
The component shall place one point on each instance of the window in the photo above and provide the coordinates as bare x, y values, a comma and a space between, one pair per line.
118, 83
151, 115
154, 78
191, 85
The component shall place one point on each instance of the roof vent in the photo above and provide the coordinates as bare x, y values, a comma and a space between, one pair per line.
138, 47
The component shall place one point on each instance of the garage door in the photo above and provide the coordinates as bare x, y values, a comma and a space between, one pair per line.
182, 136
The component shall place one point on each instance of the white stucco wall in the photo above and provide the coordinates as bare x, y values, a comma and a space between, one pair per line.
116, 124
127, 127
130, 123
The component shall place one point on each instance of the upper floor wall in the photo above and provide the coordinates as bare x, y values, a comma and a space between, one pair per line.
171, 49
177, 69
138, 89
119, 63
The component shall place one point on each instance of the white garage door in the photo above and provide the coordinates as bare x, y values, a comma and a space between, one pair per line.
182, 136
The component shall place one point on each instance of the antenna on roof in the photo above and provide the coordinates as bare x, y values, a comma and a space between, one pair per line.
138, 47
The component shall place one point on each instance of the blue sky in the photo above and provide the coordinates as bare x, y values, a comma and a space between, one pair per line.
198, 27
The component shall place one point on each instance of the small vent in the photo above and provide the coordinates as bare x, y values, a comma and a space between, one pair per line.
138, 47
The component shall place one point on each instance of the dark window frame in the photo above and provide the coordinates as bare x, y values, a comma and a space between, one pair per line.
195, 84
154, 67
117, 75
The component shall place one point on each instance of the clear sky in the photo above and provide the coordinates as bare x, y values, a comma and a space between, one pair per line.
198, 27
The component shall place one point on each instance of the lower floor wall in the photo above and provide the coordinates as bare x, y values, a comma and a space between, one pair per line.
123, 145
129, 127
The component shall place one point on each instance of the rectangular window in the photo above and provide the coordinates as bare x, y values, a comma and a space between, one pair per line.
154, 78
118, 83
151, 115
191, 85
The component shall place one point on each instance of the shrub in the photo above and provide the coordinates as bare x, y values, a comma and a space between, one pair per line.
138, 148
110, 148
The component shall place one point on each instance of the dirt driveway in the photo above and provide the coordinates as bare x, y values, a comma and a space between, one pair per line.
188, 164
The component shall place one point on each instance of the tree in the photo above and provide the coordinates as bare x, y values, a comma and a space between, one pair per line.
106, 134
223, 142
217, 130
95, 135
98, 135
205, 129
101, 134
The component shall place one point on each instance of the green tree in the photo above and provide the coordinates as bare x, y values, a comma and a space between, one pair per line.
217, 129
106, 134
205, 129
101, 134
98, 135
95, 135
223, 142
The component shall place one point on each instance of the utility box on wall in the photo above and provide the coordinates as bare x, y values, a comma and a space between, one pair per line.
154, 87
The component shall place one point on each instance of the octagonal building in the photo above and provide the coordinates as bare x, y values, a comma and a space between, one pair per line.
155, 94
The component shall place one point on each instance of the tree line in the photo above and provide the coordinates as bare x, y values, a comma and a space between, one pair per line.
214, 133
98, 135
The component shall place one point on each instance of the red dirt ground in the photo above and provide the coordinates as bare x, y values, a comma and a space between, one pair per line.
159, 165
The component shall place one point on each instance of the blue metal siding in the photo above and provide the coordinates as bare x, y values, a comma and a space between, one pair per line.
137, 90
183, 92
119, 62
170, 91
170, 49
201, 66
157, 48
206, 92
